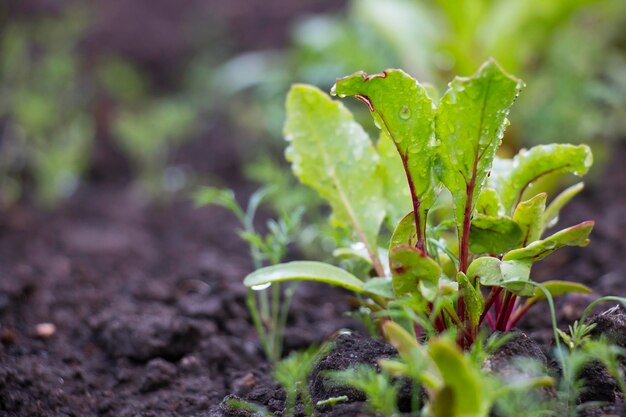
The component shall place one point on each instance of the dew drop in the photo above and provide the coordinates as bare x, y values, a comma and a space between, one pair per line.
405, 113
261, 287
358, 246
549, 244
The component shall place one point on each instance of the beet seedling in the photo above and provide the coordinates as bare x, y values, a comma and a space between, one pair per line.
475, 224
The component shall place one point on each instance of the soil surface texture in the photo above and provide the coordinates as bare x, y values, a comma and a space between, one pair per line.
114, 307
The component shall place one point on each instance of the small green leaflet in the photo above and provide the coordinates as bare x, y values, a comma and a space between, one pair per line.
488, 203
405, 233
473, 299
381, 286
572, 236
332, 154
403, 111
469, 126
529, 216
399, 338
412, 271
303, 271
220, 197
512, 275
530, 165
463, 381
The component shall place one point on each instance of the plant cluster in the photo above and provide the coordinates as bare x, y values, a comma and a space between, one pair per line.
53, 105
47, 130
447, 382
466, 226
268, 313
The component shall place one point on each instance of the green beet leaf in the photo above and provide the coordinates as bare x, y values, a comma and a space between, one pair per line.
395, 188
530, 165
399, 338
332, 154
572, 236
489, 203
443, 403
512, 275
470, 123
529, 216
412, 271
381, 286
303, 271
403, 111
405, 233
490, 234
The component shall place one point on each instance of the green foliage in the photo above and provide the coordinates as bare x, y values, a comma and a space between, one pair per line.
530, 165
578, 334
381, 392
269, 313
445, 250
53, 103
48, 130
470, 123
305, 270
454, 381
292, 373
456, 384
148, 133
403, 111
332, 154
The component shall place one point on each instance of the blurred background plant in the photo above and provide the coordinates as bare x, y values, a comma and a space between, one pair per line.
47, 128
63, 102
569, 52
177, 95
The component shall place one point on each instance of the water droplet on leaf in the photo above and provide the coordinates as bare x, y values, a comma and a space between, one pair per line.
261, 287
405, 113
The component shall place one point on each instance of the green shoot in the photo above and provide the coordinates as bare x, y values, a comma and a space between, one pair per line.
381, 392
268, 313
292, 374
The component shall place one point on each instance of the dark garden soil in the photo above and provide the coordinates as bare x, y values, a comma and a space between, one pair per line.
147, 307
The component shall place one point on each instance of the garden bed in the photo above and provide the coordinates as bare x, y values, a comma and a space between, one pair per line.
111, 306
149, 311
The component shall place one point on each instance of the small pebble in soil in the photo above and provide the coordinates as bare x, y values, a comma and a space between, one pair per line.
243, 385
190, 363
45, 330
